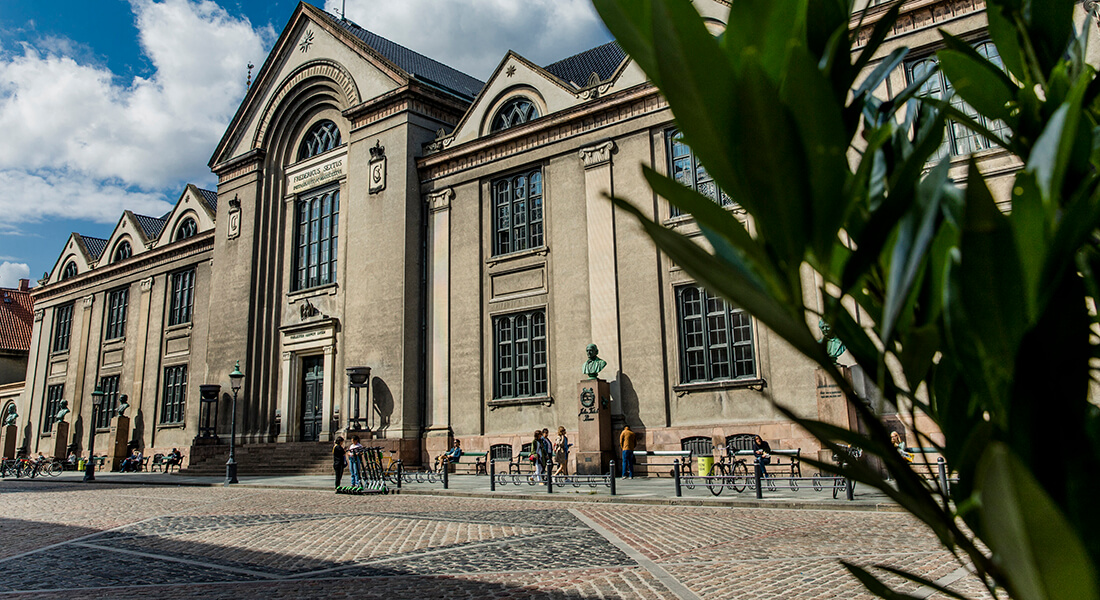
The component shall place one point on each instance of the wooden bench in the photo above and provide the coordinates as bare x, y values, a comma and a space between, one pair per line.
684, 456
478, 463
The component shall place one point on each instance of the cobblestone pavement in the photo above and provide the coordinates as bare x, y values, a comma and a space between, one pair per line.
112, 541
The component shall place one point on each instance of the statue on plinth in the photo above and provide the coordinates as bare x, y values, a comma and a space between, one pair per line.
9, 419
123, 405
64, 410
594, 364
833, 346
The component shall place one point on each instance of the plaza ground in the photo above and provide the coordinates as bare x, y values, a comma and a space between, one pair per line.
267, 539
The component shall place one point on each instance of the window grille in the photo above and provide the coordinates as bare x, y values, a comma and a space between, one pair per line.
122, 252
175, 394
187, 229
54, 395
183, 292
516, 111
715, 338
109, 386
324, 136
517, 212
62, 327
70, 271
698, 445
689, 172
519, 354
116, 313
316, 235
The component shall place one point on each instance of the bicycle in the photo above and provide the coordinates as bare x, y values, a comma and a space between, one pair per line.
847, 454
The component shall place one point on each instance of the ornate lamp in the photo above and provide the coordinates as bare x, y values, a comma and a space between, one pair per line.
358, 377
97, 404
236, 378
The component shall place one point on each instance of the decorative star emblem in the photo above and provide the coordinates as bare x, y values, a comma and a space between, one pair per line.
511, 70
307, 41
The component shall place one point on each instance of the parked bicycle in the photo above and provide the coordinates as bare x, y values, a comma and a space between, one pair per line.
847, 455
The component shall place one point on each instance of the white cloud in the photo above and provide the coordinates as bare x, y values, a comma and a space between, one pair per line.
11, 273
80, 143
473, 35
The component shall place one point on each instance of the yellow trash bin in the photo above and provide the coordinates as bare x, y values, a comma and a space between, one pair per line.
706, 463
80, 464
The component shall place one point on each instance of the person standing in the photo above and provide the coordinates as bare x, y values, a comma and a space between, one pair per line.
538, 451
561, 453
338, 460
354, 450
627, 439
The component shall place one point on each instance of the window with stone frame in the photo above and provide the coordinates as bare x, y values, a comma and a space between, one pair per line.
715, 338
316, 226
62, 327
106, 412
175, 394
69, 271
517, 212
187, 229
183, 294
116, 313
122, 252
516, 111
54, 395
689, 172
321, 138
958, 140
519, 355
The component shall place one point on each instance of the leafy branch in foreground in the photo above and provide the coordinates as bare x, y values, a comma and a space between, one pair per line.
980, 319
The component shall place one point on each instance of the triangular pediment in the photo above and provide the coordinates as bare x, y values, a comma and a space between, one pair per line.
314, 45
81, 252
196, 204
128, 231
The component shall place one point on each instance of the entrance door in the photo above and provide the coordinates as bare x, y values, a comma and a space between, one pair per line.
313, 378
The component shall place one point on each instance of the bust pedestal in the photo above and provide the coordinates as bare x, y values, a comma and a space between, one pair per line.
116, 448
61, 440
7, 440
594, 444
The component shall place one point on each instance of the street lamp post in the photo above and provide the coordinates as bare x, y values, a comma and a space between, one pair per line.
97, 401
235, 379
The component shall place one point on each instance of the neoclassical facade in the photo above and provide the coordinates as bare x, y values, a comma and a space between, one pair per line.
376, 208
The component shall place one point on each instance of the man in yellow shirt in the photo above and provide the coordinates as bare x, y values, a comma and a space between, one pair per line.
626, 442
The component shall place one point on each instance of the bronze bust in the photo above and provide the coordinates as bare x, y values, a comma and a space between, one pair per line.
594, 364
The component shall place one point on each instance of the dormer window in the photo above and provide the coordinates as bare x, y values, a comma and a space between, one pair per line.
186, 229
516, 111
122, 252
324, 136
70, 271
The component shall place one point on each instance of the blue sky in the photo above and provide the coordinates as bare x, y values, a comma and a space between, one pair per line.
112, 105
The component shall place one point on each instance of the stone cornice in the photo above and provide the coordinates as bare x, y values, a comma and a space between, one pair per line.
915, 15
609, 110
201, 243
414, 97
239, 165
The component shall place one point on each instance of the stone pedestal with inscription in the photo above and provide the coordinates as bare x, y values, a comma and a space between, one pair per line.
833, 406
7, 440
119, 438
60, 440
594, 444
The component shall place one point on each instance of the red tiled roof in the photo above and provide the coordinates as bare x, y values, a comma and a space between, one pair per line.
16, 319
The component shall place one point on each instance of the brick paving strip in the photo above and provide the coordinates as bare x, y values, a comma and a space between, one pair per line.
662, 575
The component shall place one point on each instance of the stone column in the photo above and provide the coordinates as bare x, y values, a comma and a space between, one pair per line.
33, 364
602, 279
327, 393
286, 379
438, 432
143, 335
81, 348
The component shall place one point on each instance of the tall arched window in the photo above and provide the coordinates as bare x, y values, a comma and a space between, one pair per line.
186, 229
516, 111
122, 252
316, 235
70, 271
324, 136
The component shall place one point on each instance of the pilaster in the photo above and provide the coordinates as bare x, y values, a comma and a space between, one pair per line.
439, 310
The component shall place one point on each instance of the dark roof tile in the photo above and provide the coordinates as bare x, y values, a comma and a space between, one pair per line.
416, 64
211, 198
601, 60
152, 226
16, 319
95, 246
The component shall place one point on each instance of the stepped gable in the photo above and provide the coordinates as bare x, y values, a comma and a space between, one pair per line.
211, 198
416, 64
602, 60
95, 246
16, 318
151, 226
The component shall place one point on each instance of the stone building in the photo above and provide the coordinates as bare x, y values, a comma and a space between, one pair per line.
376, 208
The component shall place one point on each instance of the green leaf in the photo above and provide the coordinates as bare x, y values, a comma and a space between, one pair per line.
1053, 150
1004, 34
1050, 28
980, 84
1041, 555
882, 71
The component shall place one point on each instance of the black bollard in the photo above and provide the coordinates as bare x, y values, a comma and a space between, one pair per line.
759, 483
941, 465
851, 488
492, 475
549, 478
400, 473
611, 476
446, 469
676, 476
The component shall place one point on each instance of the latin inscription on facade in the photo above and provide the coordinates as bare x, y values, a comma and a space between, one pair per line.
318, 175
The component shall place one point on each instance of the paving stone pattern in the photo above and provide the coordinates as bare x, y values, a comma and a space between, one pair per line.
104, 541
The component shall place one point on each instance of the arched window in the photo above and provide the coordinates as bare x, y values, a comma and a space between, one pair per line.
324, 136
70, 271
516, 111
122, 252
186, 229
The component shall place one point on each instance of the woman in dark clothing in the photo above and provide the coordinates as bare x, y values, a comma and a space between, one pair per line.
338, 460
763, 452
